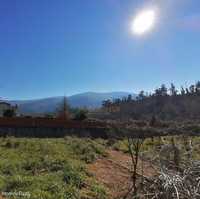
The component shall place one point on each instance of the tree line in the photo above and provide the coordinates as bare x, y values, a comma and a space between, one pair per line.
164, 103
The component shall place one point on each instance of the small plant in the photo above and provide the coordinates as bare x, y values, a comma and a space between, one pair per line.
73, 176
99, 191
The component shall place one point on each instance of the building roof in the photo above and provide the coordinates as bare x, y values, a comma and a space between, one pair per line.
2, 102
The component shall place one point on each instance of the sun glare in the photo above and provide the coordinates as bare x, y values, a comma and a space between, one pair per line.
143, 22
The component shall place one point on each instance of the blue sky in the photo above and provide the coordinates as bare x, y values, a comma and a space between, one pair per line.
51, 48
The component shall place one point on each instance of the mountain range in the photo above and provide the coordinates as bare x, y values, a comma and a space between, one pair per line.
90, 100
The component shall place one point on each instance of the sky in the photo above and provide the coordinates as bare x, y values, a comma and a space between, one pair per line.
51, 48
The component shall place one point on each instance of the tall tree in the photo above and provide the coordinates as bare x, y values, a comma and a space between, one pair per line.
107, 104
117, 101
141, 95
192, 89
197, 87
163, 90
173, 91
129, 99
63, 109
182, 91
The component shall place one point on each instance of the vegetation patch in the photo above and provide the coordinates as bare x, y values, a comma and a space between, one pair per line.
49, 168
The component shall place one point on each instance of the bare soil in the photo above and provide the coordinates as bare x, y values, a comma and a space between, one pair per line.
114, 172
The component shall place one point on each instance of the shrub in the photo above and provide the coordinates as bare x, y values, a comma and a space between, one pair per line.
81, 115
9, 113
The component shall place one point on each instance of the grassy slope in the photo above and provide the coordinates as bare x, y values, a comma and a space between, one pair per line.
50, 168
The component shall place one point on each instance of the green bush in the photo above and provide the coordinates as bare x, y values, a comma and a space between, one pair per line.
80, 114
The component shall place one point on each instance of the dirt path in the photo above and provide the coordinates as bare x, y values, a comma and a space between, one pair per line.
114, 172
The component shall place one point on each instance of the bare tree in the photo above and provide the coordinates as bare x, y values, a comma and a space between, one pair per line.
134, 146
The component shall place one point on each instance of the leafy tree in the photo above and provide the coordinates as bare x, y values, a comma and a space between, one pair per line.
9, 113
81, 114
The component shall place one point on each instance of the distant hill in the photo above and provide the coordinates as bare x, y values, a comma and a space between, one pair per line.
46, 105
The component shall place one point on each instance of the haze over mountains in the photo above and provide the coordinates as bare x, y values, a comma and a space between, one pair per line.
46, 105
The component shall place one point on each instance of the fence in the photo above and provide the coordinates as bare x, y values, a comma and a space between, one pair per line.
51, 127
49, 122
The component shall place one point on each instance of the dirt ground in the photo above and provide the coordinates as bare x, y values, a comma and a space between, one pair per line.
114, 172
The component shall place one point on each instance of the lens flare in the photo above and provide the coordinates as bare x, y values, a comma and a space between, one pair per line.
143, 22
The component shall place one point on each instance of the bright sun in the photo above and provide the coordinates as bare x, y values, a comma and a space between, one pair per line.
143, 22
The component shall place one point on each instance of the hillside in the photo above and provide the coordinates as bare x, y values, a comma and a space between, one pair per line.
88, 99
